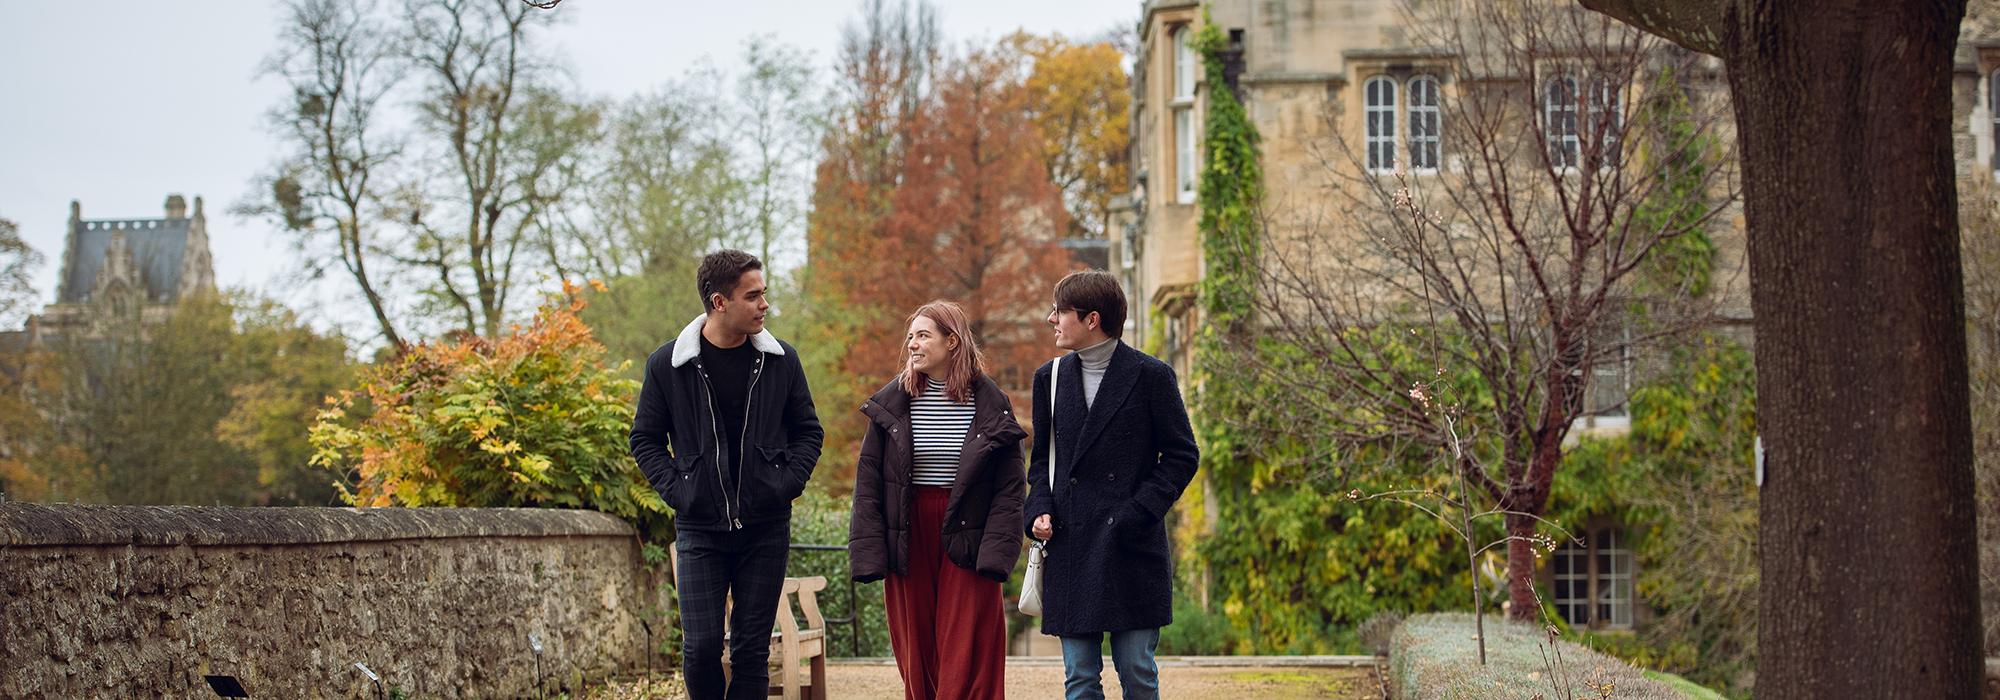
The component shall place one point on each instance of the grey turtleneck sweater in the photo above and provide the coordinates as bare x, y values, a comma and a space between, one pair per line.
1096, 359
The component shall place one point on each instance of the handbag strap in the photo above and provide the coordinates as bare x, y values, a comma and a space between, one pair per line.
1055, 372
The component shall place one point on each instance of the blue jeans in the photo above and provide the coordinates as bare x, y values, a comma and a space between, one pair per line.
1131, 654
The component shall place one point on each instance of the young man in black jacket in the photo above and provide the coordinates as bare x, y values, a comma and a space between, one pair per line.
726, 432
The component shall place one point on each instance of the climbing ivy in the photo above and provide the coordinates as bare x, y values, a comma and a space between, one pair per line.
1680, 484
1686, 152
1289, 567
1231, 190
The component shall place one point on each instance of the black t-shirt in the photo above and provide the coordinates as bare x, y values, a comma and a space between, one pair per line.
729, 376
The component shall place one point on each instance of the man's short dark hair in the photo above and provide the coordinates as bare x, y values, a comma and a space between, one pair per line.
720, 272
1094, 290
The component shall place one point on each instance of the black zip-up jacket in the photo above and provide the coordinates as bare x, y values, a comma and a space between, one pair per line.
677, 440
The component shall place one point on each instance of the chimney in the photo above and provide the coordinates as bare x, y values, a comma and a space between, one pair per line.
176, 207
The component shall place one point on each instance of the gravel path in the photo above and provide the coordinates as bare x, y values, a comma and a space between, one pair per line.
1045, 681
1042, 678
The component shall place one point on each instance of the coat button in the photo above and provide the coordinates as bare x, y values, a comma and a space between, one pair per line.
1072, 481
1109, 521
1111, 477
961, 522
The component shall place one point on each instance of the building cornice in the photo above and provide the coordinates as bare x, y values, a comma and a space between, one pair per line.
1399, 53
1158, 6
1294, 78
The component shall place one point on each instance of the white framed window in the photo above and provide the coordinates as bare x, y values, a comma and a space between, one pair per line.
1614, 581
1425, 120
1571, 573
1593, 580
1378, 110
1184, 155
1184, 65
1559, 121
1185, 158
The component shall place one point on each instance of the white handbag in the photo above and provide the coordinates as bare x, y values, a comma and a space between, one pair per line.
1031, 582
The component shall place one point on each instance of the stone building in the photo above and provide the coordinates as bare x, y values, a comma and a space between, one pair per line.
142, 265
1321, 75
1313, 72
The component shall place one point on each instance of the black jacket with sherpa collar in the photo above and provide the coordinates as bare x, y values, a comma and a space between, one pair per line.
677, 439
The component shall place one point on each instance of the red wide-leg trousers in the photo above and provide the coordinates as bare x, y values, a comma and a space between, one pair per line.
945, 622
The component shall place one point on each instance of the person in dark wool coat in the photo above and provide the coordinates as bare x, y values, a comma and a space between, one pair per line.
1124, 453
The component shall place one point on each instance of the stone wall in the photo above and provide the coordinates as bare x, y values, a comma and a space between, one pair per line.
140, 601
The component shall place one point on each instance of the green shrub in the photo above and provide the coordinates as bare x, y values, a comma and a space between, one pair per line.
1197, 631
533, 419
1436, 657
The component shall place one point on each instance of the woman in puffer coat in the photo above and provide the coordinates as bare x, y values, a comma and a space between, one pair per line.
937, 510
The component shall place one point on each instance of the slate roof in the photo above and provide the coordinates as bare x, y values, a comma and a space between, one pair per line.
157, 247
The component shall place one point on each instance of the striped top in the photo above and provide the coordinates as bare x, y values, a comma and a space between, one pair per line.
937, 434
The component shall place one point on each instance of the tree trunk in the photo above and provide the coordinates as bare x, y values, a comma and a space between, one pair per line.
1866, 515
1521, 603
1869, 579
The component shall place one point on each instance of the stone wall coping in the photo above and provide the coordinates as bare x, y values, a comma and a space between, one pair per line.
45, 525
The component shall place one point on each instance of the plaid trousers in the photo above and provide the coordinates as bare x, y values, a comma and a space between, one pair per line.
750, 563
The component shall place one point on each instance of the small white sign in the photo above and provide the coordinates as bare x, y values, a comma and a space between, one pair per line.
535, 642
364, 671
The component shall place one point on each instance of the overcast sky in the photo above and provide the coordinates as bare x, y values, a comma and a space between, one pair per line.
119, 103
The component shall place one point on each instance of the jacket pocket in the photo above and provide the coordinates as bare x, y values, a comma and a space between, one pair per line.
684, 491
770, 469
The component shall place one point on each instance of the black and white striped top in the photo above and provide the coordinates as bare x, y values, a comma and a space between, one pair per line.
937, 432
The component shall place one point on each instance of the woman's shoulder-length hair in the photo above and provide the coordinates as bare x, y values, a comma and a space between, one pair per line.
963, 368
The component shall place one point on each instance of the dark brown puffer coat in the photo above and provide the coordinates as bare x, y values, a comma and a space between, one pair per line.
982, 528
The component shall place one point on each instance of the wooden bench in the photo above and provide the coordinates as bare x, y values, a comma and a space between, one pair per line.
791, 644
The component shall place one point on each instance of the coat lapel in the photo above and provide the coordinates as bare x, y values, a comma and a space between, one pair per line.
1111, 393
1069, 415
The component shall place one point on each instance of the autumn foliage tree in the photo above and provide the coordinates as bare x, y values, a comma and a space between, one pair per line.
952, 176
882, 76
1078, 96
976, 219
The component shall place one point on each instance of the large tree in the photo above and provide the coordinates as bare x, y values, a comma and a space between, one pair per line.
1867, 524
774, 114
1080, 99
205, 406
340, 63
882, 78
470, 217
976, 220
